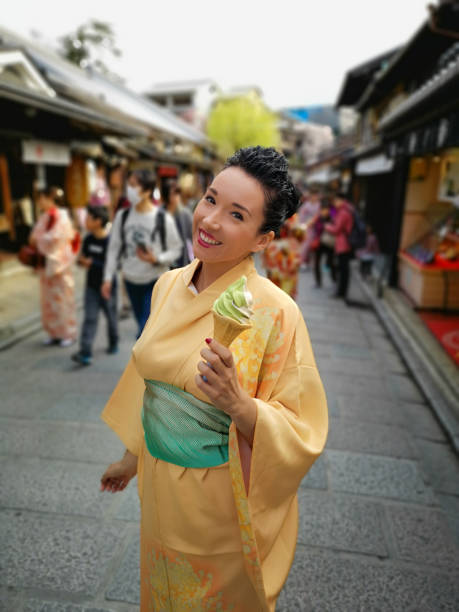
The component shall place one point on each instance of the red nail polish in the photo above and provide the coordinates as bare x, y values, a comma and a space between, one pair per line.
208, 340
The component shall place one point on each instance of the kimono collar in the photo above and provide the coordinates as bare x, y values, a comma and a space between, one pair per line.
245, 267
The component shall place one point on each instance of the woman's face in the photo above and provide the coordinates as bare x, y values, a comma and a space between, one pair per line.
44, 203
227, 219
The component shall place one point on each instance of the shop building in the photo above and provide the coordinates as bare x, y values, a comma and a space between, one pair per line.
405, 174
57, 122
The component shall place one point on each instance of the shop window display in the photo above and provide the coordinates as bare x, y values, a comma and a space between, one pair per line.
440, 247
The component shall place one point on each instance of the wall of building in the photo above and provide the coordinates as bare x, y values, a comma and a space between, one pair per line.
422, 208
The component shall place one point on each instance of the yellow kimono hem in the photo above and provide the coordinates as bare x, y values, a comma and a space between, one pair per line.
207, 544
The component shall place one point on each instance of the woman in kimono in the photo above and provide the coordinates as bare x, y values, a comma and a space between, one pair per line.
282, 257
55, 238
220, 438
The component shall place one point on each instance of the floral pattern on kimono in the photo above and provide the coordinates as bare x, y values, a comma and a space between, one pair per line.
230, 530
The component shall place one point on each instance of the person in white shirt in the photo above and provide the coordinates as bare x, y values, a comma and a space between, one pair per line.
144, 238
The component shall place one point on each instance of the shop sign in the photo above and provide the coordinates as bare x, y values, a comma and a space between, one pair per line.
448, 190
443, 131
378, 164
45, 152
167, 171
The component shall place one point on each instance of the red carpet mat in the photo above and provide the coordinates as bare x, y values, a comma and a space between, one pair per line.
446, 329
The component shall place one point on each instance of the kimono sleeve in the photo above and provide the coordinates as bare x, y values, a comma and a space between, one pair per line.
291, 427
122, 412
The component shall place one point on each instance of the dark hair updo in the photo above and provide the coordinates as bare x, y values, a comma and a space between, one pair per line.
146, 179
56, 194
270, 169
99, 212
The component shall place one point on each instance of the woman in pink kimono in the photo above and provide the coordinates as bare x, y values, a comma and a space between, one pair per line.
55, 238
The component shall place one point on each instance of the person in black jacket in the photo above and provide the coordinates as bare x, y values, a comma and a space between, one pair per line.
92, 257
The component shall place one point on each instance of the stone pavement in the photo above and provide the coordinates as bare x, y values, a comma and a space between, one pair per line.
20, 301
379, 511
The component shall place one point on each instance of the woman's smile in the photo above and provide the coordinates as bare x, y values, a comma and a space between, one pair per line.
207, 240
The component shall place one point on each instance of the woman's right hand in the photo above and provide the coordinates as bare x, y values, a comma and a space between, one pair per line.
118, 474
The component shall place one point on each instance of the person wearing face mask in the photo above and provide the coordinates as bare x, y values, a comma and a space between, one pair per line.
136, 242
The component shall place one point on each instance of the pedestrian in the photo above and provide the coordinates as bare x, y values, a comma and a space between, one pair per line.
221, 534
183, 217
324, 242
368, 254
145, 241
341, 228
92, 257
282, 257
100, 195
55, 238
306, 213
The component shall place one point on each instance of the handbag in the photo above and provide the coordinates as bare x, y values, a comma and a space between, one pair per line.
30, 256
327, 240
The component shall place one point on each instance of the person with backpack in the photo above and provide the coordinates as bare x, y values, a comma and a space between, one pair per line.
145, 242
341, 228
183, 217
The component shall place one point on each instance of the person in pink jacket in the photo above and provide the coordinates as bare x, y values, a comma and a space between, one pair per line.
341, 228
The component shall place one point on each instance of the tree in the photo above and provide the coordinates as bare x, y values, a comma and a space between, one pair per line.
88, 44
242, 121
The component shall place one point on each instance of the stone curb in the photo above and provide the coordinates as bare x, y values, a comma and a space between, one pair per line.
440, 395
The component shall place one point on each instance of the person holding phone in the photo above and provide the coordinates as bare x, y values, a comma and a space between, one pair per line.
137, 243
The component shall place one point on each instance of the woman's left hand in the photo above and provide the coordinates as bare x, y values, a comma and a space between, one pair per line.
218, 379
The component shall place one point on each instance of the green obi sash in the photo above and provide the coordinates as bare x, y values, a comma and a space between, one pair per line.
181, 429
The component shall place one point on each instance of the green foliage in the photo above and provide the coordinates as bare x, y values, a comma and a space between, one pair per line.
242, 121
88, 43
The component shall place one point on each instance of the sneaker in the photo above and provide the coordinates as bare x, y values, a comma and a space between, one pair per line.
84, 360
112, 350
125, 313
50, 341
66, 342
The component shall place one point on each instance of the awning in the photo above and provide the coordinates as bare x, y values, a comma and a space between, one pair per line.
378, 164
71, 110
443, 80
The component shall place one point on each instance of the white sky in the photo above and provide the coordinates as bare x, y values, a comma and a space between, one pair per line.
297, 51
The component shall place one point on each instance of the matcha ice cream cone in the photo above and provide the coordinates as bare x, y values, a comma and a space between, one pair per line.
232, 312
226, 330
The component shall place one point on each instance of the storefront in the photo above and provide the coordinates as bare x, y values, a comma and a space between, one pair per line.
378, 189
429, 247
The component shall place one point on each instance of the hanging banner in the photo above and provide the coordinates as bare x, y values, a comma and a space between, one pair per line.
77, 183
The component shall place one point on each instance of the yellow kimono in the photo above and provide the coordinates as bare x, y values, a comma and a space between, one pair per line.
207, 544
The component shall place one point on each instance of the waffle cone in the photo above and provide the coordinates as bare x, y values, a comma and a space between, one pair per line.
226, 329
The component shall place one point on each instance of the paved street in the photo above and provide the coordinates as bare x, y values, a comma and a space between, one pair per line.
379, 512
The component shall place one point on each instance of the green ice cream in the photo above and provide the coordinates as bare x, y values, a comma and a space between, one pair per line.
235, 302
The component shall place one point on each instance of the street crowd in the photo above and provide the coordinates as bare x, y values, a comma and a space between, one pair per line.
141, 237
